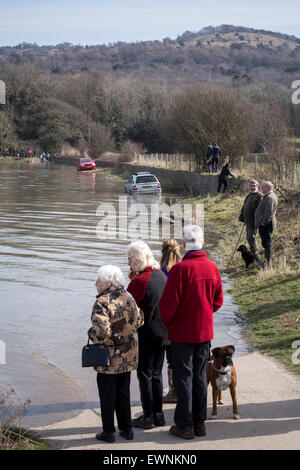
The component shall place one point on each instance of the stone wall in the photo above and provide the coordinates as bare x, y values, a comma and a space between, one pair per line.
191, 182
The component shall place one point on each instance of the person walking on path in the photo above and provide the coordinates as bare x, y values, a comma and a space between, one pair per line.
115, 319
247, 214
265, 218
192, 294
216, 157
146, 286
170, 256
222, 178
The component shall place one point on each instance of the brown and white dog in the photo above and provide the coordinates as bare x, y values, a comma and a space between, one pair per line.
221, 373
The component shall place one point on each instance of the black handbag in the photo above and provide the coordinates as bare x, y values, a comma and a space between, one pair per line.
94, 355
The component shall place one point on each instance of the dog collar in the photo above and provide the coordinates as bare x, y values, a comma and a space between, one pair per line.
218, 370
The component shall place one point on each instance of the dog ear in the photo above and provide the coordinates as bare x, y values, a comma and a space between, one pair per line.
231, 347
215, 352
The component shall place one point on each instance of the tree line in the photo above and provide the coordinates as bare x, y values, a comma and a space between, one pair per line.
98, 113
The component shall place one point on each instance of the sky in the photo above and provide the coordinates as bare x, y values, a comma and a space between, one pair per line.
108, 21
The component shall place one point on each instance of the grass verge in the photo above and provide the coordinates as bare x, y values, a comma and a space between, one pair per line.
12, 435
269, 300
19, 439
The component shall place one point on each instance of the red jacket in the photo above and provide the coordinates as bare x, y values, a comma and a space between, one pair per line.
192, 294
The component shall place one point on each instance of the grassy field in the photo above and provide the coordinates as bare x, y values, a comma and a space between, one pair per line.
269, 300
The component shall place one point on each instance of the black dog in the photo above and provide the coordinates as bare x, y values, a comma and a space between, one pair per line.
248, 256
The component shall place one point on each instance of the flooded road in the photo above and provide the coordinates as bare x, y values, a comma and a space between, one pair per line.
50, 254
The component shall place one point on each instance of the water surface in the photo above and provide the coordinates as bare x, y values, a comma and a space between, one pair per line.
50, 254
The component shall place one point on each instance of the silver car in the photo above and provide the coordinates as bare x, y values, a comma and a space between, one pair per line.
142, 182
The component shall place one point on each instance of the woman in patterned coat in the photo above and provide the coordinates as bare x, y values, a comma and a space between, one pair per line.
115, 320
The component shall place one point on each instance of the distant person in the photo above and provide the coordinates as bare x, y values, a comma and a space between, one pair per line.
265, 218
216, 157
222, 178
209, 158
146, 286
250, 205
170, 256
42, 157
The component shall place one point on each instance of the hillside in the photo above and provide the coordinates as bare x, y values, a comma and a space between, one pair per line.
224, 54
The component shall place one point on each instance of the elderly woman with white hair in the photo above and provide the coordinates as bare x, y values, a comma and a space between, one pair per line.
115, 320
146, 286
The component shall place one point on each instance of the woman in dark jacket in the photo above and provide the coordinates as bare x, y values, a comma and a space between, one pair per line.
222, 178
146, 286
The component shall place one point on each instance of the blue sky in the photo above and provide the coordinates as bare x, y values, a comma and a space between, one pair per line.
104, 21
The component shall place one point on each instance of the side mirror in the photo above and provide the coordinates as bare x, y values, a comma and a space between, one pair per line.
126, 181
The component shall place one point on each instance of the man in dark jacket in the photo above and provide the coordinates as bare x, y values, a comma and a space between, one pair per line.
209, 158
192, 294
247, 214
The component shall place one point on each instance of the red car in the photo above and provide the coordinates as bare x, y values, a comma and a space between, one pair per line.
85, 164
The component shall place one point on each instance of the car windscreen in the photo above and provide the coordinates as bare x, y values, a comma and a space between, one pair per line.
85, 160
146, 179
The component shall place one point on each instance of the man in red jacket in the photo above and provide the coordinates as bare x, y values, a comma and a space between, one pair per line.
192, 294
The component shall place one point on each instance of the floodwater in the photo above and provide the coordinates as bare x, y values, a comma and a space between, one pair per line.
50, 253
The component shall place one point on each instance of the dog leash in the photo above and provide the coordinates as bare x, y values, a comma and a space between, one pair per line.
236, 246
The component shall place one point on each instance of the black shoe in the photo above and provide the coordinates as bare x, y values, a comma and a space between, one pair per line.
159, 419
184, 433
199, 429
106, 436
127, 434
144, 423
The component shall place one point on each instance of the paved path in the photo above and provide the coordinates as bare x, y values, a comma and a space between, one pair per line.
269, 405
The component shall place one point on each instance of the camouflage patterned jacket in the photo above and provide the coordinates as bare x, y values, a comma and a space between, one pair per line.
115, 320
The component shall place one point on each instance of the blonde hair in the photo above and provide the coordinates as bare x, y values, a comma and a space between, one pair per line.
141, 257
170, 254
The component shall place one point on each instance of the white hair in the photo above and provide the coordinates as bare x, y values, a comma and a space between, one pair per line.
141, 256
112, 274
268, 184
193, 238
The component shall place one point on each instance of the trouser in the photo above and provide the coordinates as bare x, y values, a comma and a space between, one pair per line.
220, 182
215, 163
265, 232
169, 356
189, 375
251, 238
149, 374
114, 394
